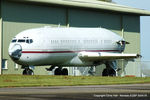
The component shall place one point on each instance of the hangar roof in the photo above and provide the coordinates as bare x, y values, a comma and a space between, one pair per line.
92, 4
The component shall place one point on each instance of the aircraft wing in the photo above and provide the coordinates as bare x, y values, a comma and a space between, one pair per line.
98, 56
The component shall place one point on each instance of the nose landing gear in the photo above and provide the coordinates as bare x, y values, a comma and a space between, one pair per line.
27, 71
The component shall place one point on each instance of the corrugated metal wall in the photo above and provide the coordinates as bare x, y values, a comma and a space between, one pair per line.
1, 45
18, 17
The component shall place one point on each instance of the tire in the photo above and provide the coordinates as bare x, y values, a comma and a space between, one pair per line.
105, 72
28, 72
57, 71
24, 72
65, 71
112, 72
108, 72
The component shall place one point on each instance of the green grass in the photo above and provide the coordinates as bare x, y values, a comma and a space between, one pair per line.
45, 80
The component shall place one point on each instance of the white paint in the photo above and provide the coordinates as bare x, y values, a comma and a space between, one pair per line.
66, 46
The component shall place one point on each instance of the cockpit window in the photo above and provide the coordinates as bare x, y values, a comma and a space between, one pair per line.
13, 41
29, 41
21, 40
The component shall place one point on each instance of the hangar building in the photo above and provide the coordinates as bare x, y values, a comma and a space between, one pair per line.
19, 15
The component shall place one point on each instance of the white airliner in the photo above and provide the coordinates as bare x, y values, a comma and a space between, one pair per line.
68, 47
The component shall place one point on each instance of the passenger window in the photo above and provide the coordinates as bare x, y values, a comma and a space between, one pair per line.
29, 41
21, 40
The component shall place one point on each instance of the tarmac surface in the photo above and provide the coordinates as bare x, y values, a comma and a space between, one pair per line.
95, 92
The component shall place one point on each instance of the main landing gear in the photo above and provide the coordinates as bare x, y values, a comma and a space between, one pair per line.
109, 72
58, 71
28, 71
111, 69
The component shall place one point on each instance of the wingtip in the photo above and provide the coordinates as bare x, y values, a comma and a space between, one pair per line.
139, 56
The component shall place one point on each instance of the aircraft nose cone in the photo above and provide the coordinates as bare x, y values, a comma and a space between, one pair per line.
15, 51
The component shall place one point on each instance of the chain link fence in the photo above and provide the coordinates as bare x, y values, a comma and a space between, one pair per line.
145, 68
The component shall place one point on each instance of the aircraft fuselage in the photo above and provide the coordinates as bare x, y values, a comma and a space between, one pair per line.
61, 46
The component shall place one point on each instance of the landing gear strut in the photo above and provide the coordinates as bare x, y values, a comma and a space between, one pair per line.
27, 71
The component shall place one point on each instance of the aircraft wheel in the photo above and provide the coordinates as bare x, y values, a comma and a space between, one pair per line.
57, 71
65, 71
28, 72
105, 72
108, 72
24, 72
112, 73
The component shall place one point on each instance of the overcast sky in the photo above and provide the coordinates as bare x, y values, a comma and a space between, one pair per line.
145, 25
